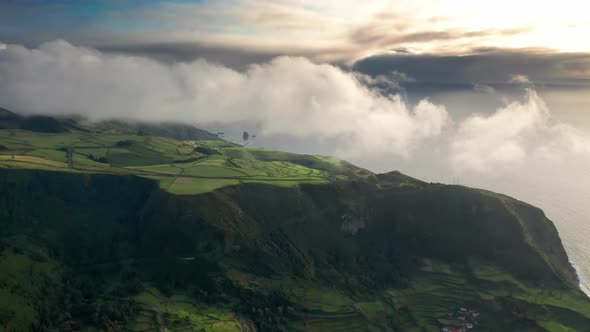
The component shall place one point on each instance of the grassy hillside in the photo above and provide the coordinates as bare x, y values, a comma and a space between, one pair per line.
52, 124
126, 232
180, 167
169, 130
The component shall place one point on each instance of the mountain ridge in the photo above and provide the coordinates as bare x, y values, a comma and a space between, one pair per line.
113, 231
60, 124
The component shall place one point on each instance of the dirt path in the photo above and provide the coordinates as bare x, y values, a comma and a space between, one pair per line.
158, 311
160, 318
352, 314
246, 325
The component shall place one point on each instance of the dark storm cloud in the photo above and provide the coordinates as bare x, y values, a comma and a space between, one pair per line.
432, 73
187, 52
231, 56
490, 66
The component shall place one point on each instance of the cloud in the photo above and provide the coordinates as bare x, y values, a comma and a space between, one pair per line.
285, 96
484, 143
188, 52
520, 78
335, 31
490, 67
516, 135
386, 83
360, 115
483, 88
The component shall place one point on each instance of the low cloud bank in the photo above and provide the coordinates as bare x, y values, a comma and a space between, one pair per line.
519, 132
287, 96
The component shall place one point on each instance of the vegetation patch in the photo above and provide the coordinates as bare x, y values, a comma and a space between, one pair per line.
197, 166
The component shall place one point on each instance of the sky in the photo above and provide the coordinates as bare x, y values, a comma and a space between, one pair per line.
364, 79
488, 94
343, 30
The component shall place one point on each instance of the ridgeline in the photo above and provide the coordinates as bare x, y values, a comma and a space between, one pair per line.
133, 227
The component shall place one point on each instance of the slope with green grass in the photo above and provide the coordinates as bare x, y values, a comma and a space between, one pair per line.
117, 231
182, 167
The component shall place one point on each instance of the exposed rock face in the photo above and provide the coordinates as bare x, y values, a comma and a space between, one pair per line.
352, 224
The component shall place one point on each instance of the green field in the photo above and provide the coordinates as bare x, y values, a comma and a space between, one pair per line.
180, 313
181, 167
434, 296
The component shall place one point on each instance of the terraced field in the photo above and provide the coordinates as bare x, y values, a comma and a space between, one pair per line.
324, 308
432, 299
181, 167
179, 313
436, 293
354, 322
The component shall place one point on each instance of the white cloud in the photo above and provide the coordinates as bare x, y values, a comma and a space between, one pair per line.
520, 78
348, 30
515, 135
286, 96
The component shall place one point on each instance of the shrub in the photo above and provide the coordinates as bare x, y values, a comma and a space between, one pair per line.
124, 143
103, 160
205, 150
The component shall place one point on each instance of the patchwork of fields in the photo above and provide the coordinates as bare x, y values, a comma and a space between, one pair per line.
180, 167
432, 299
316, 284
181, 313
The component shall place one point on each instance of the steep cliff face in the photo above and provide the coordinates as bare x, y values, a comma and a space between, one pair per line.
541, 234
356, 220
510, 228
361, 237
312, 223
